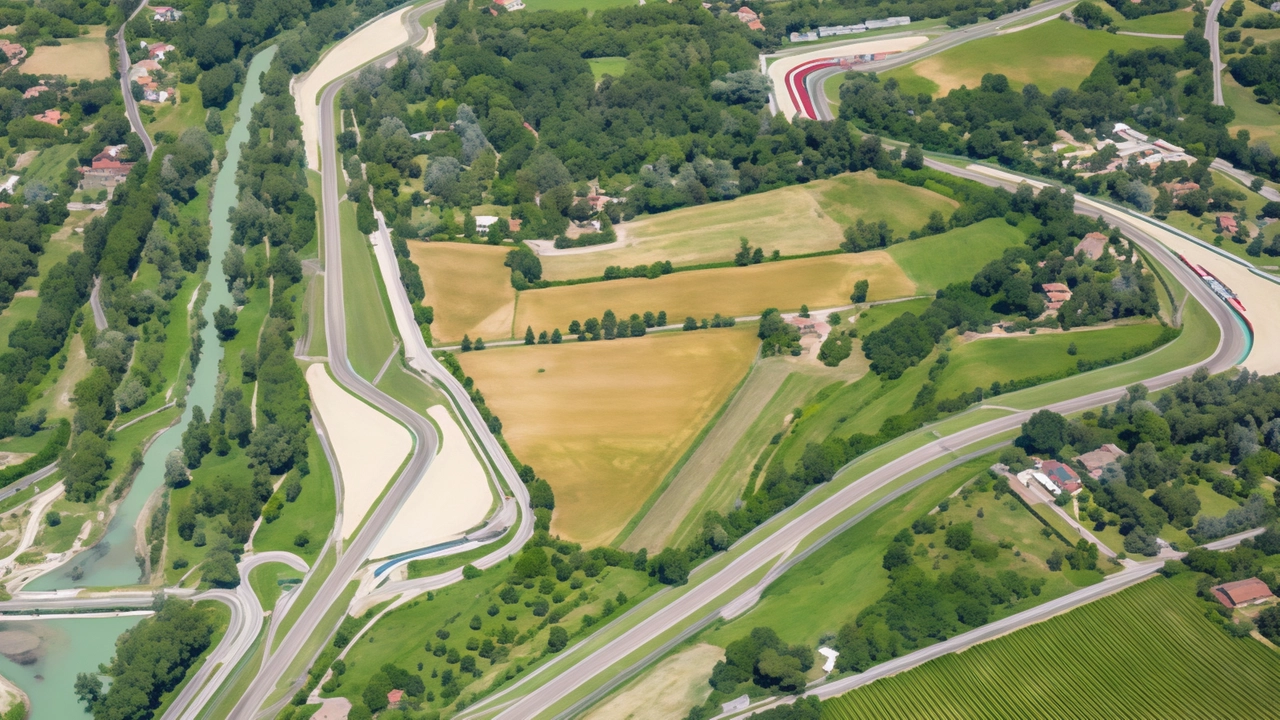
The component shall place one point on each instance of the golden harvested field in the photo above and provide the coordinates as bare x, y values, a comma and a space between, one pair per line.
819, 282
469, 287
605, 421
795, 220
668, 690
83, 58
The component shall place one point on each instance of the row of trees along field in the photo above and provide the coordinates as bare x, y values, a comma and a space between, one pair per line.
274, 208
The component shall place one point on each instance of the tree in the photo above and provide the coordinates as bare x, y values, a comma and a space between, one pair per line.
220, 565
960, 536
175, 470
609, 325
914, 158
217, 86
53, 518
556, 337
557, 638
1044, 432
671, 566
196, 441
860, 289
528, 336
224, 321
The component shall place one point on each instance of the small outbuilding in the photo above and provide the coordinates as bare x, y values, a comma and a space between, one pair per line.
1243, 592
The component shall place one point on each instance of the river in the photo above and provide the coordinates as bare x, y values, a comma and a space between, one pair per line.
51, 653
113, 562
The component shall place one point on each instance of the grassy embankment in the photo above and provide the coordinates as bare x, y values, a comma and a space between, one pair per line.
1146, 651
266, 582
370, 339
1053, 55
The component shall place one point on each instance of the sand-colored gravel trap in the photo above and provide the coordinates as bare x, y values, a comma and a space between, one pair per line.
355, 50
369, 445
451, 498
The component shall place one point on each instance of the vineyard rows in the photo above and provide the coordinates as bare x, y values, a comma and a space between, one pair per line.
1147, 652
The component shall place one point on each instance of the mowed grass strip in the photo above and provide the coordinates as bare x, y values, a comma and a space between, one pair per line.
981, 361
604, 421
954, 256
819, 282
1053, 55
1145, 652
794, 220
369, 337
469, 288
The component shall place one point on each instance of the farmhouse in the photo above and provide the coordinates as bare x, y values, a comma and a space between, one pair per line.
484, 222
166, 14
1177, 190
1026, 477
52, 117
394, 697
1227, 224
510, 5
1058, 293
1095, 460
13, 51
158, 50
107, 168
749, 16
1060, 475
34, 91
1093, 245
1243, 592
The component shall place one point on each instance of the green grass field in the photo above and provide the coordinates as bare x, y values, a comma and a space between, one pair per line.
265, 581
793, 220
954, 256
400, 636
1145, 652
614, 66
1262, 121
980, 362
312, 512
1177, 22
187, 112
877, 316
802, 607
369, 337
1053, 55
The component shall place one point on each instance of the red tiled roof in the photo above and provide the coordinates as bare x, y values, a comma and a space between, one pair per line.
395, 696
1242, 592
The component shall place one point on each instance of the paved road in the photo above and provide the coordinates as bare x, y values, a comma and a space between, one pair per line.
1230, 348
1221, 165
95, 304
44, 472
1215, 53
1112, 584
243, 630
949, 40
424, 432
131, 105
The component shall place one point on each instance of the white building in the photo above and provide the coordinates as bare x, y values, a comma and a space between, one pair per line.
888, 22
1026, 476
9, 184
484, 222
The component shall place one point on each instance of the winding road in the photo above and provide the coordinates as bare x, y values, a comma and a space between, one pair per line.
426, 440
1215, 53
131, 105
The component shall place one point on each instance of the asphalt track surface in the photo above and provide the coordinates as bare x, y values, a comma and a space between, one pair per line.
242, 632
426, 441
26, 481
1215, 53
933, 47
131, 105
1232, 345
